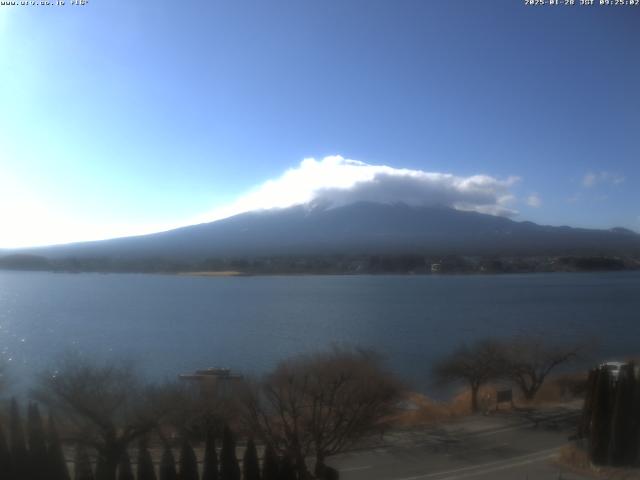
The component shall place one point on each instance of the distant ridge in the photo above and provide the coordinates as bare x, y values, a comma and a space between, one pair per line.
358, 228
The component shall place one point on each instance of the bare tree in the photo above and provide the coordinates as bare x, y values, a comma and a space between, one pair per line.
321, 404
104, 405
475, 365
530, 358
193, 410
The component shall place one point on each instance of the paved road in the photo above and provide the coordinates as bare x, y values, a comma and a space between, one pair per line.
513, 446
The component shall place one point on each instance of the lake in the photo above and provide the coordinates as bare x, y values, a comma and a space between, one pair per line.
173, 324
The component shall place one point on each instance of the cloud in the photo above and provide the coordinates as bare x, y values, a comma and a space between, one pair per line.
335, 181
534, 200
592, 179
30, 220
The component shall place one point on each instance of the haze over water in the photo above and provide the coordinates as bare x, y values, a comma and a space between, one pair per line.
173, 324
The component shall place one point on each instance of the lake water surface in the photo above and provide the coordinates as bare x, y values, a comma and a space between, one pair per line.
173, 324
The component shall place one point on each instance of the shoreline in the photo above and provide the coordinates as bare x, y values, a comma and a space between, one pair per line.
236, 273
224, 273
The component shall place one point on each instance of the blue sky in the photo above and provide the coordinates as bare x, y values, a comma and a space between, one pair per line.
127, 117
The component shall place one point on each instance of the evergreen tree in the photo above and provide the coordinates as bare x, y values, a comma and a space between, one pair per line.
83, 465
168, 465
210, 468
229, 468
269, 464
250, 465
19, 453
5, 457
125, 472
286, 470
622, 428
601, 419
145, 462
55, 455
327, 473
634, 444
188, 462
102, 470
40, 470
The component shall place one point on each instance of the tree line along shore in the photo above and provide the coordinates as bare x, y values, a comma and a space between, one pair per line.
328, 264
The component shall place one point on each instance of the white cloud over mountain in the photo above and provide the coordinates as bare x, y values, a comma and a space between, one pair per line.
335, 181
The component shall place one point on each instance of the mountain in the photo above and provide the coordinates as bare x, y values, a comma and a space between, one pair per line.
359, 228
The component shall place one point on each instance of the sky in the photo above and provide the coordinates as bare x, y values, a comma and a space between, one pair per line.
121, 118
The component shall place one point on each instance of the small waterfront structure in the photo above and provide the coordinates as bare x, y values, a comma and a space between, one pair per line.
210, 374
214, 381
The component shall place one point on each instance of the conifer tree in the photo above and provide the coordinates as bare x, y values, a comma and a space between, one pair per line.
188, 462
269, 464
622, 428
19, 453
5, 457
210, 468
83, 465
145, 469
286, 470
102, 471
229, 468
250, 465
634, 444
168, 465
125, 472
39, 467
55, 454
601, 419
